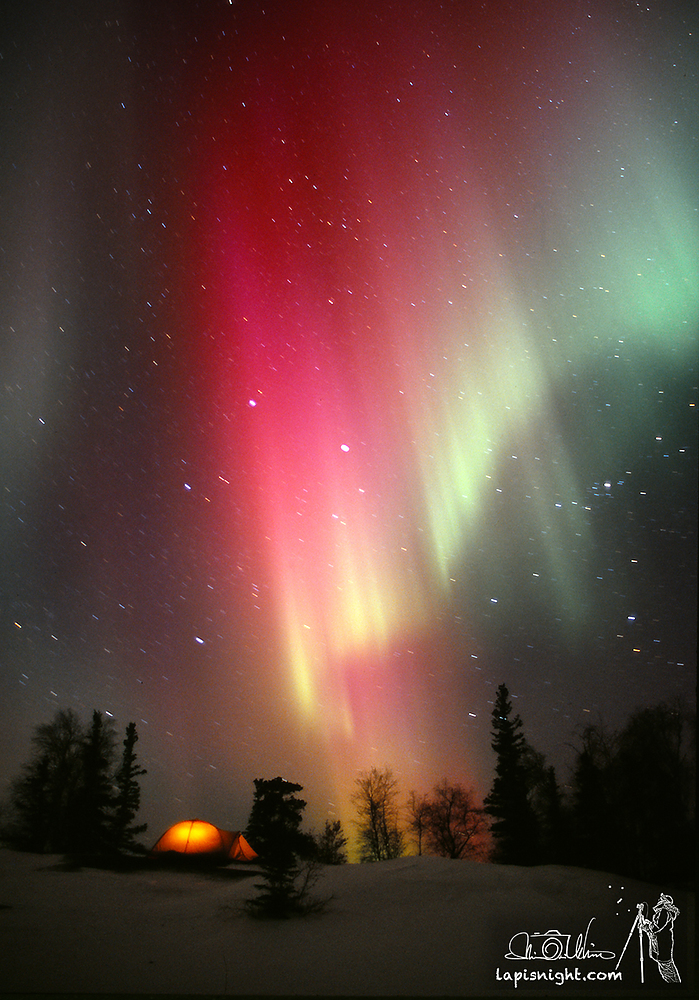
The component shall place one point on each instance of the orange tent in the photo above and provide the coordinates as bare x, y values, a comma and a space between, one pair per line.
204, 841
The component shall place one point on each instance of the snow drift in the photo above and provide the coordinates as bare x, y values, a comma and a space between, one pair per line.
415, 926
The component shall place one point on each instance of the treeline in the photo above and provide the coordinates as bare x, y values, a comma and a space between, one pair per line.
633, 803
447, 822
77, 794
630, 806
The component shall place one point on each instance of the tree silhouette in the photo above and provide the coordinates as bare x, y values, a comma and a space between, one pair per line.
273, 831
594, 840
90, 815
634, 796
454, 823
67, 798
554, 828
654, 779
43, 797
546, 800
331, 844
514, 824
418, 807
29, 823
375, 799
127, 798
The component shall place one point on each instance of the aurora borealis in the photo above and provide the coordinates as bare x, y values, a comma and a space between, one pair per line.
351, 372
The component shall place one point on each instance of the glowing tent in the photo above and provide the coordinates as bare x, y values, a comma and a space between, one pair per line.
201, 841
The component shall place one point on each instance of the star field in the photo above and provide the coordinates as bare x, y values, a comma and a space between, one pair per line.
349, 371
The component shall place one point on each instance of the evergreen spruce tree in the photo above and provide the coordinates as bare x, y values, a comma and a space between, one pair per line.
514, 824
91, 827
331, 844
127, 799
553, 821
595, 836
273, 831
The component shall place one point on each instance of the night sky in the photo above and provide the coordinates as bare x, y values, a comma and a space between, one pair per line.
349, 369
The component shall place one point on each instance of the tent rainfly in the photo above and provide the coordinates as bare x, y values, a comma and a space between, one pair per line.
203, 841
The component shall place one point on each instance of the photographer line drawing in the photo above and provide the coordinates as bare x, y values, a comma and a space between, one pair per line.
661, 937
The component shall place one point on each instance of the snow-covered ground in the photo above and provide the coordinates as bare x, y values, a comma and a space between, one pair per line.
416, 926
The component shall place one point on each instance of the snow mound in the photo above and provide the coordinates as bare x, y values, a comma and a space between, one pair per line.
417, 926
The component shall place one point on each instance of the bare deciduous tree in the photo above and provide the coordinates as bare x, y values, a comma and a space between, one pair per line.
418, 807
454, 824
380, 838
44, 796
